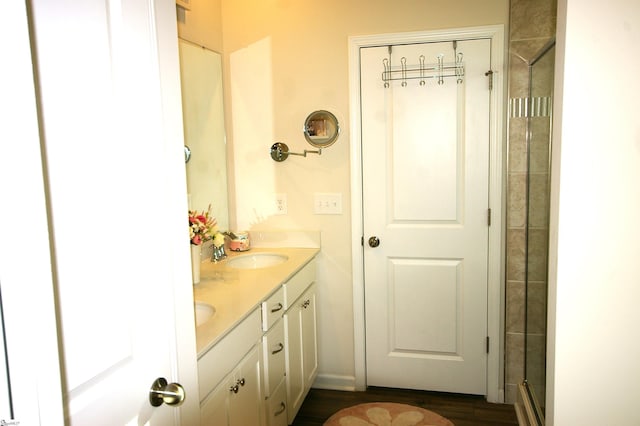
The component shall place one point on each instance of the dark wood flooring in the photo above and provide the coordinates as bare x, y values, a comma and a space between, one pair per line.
462, 410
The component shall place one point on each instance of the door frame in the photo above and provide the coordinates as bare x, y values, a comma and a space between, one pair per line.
497, 149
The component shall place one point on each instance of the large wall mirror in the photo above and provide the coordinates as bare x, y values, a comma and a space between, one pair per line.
203, 116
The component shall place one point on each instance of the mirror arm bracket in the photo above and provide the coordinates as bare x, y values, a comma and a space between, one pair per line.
280, 152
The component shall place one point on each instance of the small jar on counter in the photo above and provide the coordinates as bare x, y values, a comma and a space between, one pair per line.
239, 241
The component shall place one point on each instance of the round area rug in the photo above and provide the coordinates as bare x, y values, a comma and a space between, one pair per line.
386, 414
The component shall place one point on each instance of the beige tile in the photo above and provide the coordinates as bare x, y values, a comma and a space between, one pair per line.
518, 77
528, 49
538, 203
515, 254
536, 352
516, 200
537, 256
532, 18
536, 307
540, 144
514, 321
510, 393
514, 357
517, 145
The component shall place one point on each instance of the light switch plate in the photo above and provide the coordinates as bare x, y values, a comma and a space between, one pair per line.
327, 203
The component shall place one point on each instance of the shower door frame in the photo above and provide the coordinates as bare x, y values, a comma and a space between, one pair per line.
537, 410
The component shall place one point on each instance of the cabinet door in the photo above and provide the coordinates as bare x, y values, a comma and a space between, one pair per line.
293, 346
302, 352
309, 338
213, 410
246, 403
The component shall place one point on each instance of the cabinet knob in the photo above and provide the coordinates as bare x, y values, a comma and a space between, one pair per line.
234, 388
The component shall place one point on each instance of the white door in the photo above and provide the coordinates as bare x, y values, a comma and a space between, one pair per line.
111, 128
425, 150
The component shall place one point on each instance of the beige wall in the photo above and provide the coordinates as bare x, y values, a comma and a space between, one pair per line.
202, 23
298, 51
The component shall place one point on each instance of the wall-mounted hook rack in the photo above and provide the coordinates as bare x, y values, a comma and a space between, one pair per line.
280, 152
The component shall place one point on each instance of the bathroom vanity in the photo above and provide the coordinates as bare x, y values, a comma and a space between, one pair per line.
257, 342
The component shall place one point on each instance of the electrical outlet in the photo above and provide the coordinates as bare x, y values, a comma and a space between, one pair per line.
327, 203
281, 203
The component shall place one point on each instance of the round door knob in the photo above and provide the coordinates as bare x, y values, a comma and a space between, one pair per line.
374, 241
168, 393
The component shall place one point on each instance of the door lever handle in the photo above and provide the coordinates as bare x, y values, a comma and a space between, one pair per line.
168, 393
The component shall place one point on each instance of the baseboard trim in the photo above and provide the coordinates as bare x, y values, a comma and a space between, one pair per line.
335, 382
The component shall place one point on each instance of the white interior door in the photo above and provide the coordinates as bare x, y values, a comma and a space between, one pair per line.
425, 150
109, 96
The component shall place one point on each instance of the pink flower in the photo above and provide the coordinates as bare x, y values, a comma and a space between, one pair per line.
202, 227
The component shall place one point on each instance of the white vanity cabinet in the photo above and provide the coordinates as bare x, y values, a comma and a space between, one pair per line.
301, 338
230, 377
259, 373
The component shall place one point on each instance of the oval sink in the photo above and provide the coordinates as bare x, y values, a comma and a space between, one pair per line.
256, 260
204, 312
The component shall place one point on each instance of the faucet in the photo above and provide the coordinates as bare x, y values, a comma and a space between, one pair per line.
218, 254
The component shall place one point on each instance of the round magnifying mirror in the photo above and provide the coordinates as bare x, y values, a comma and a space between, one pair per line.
321, 129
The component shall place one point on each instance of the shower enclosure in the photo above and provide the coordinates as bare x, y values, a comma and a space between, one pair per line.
537, 109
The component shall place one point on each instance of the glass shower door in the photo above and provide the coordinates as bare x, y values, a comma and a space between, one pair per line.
539, 123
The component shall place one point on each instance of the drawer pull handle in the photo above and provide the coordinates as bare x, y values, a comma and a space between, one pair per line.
277, 308
306, 303
280, 348
281, 410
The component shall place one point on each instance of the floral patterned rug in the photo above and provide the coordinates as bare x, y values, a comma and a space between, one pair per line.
386, 414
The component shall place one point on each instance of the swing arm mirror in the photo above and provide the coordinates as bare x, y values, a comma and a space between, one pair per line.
321, 129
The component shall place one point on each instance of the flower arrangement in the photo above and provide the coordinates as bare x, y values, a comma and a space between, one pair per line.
204, 227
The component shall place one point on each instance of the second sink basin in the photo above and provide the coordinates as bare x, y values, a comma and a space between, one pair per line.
204, 312
256, 260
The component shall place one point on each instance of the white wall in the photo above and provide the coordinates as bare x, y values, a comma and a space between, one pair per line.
594, 314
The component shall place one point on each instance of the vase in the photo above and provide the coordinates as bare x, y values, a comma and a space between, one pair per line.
195, 262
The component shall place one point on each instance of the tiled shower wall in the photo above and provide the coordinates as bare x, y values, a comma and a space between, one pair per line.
532, 25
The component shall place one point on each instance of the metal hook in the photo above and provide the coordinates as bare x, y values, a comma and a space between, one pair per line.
459, 67
403, 63
386, 75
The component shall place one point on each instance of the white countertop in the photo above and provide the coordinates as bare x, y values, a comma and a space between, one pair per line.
236, 292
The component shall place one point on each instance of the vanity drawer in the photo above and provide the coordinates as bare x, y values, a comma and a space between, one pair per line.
216, 363
272, 309
277, 407
299, 283
274, 357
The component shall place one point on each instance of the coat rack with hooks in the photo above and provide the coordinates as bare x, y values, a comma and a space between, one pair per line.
422, 71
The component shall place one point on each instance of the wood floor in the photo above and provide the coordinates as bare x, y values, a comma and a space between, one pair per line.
462, 410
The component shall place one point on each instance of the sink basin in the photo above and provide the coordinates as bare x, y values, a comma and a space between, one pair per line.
256, 260
204, 312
